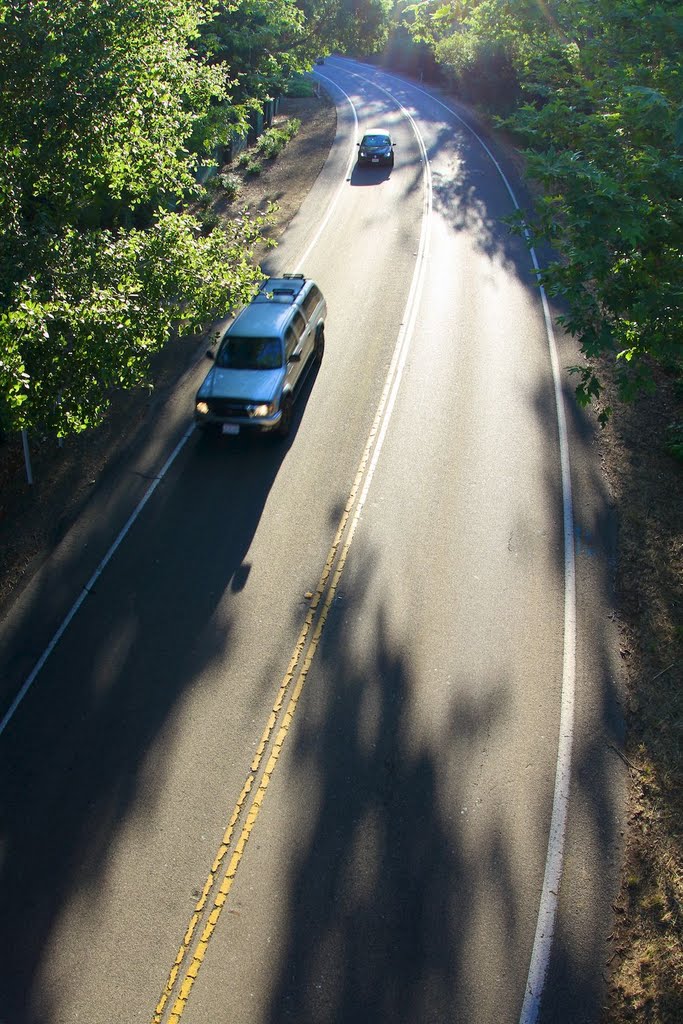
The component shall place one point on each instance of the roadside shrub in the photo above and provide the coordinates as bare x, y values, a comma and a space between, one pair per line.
249, 165
299, 87
274, 140
209, 220
230, 185
291, 127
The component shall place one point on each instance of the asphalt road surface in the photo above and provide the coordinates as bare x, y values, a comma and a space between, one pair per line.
326, 736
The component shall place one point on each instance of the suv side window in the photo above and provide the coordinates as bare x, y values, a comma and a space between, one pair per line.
311, 301
293, 333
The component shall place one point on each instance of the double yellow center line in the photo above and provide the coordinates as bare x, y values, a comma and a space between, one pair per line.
208, 909
192, 951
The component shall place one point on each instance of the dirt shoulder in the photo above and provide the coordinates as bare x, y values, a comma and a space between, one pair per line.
644, 968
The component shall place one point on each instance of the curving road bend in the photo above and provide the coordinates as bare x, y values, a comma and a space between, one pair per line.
328, 738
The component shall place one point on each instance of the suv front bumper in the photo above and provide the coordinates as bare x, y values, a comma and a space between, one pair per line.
236, 424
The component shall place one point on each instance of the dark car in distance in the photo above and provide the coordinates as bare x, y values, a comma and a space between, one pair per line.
375, 148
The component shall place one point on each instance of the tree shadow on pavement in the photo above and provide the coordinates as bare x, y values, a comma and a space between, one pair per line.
86, 757
384, 910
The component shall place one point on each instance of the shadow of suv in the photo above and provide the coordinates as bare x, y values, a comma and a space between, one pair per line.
263, 359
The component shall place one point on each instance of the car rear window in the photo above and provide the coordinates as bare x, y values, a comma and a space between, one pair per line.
237, 353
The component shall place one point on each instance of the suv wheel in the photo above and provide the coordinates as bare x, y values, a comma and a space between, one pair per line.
319, 344
285, 424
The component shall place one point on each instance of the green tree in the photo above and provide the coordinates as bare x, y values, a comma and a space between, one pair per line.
259, 43
99, 104
605, 142
350, 26
596, 92
264, 42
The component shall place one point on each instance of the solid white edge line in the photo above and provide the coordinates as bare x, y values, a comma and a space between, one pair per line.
323, 223
93, 579
547, 913
28, 683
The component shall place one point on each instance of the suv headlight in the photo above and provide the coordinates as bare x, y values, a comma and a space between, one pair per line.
201, 408
260, 411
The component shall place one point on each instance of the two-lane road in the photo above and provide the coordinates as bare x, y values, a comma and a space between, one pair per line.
326, 740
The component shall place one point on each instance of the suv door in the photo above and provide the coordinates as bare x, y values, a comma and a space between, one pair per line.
297, 340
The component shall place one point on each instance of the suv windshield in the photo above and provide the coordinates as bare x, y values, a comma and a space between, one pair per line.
375, 140
249, 353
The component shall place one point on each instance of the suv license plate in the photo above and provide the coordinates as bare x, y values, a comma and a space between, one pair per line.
230, 428
375, 159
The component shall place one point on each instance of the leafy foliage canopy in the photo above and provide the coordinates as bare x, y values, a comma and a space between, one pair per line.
107, 107
595, 91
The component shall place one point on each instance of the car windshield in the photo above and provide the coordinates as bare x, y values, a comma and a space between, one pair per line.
376, 140
249, 353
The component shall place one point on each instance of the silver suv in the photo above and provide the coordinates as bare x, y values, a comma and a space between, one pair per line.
263, 359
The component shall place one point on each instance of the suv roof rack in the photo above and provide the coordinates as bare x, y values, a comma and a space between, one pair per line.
279, 289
